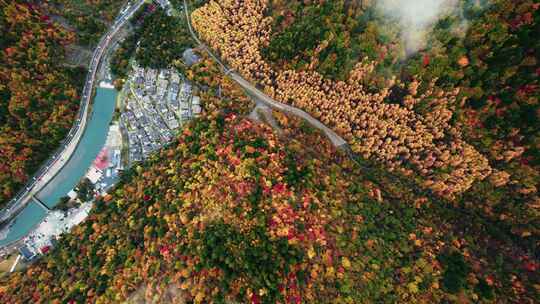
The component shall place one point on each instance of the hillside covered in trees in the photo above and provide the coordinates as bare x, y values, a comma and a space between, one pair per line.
157, 42
89, 18
458, 114
234, 211
38, 96
437, 201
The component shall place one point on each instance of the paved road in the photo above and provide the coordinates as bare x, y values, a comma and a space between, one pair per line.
54, 164
336, 140
60, 158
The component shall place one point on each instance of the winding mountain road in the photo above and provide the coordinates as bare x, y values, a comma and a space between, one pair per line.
57, 161
336, 140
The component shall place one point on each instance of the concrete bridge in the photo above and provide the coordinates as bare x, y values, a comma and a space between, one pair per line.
57, 161
41, 203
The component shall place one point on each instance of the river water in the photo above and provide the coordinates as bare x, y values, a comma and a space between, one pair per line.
91, 143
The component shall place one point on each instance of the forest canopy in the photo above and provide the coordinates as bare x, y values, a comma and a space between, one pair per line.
292, 221
435, 202
90, 18
38, 96
157, 41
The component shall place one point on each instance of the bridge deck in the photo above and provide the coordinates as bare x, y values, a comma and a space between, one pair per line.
41, 204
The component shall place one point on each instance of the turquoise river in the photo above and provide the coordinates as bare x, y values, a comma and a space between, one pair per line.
91, 143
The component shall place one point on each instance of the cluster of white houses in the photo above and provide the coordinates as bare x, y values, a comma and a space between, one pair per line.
160, 101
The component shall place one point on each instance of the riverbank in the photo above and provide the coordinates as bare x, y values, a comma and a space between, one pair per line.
91, 143
57, 161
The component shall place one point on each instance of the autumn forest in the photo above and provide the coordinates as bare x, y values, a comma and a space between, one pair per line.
434, 199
